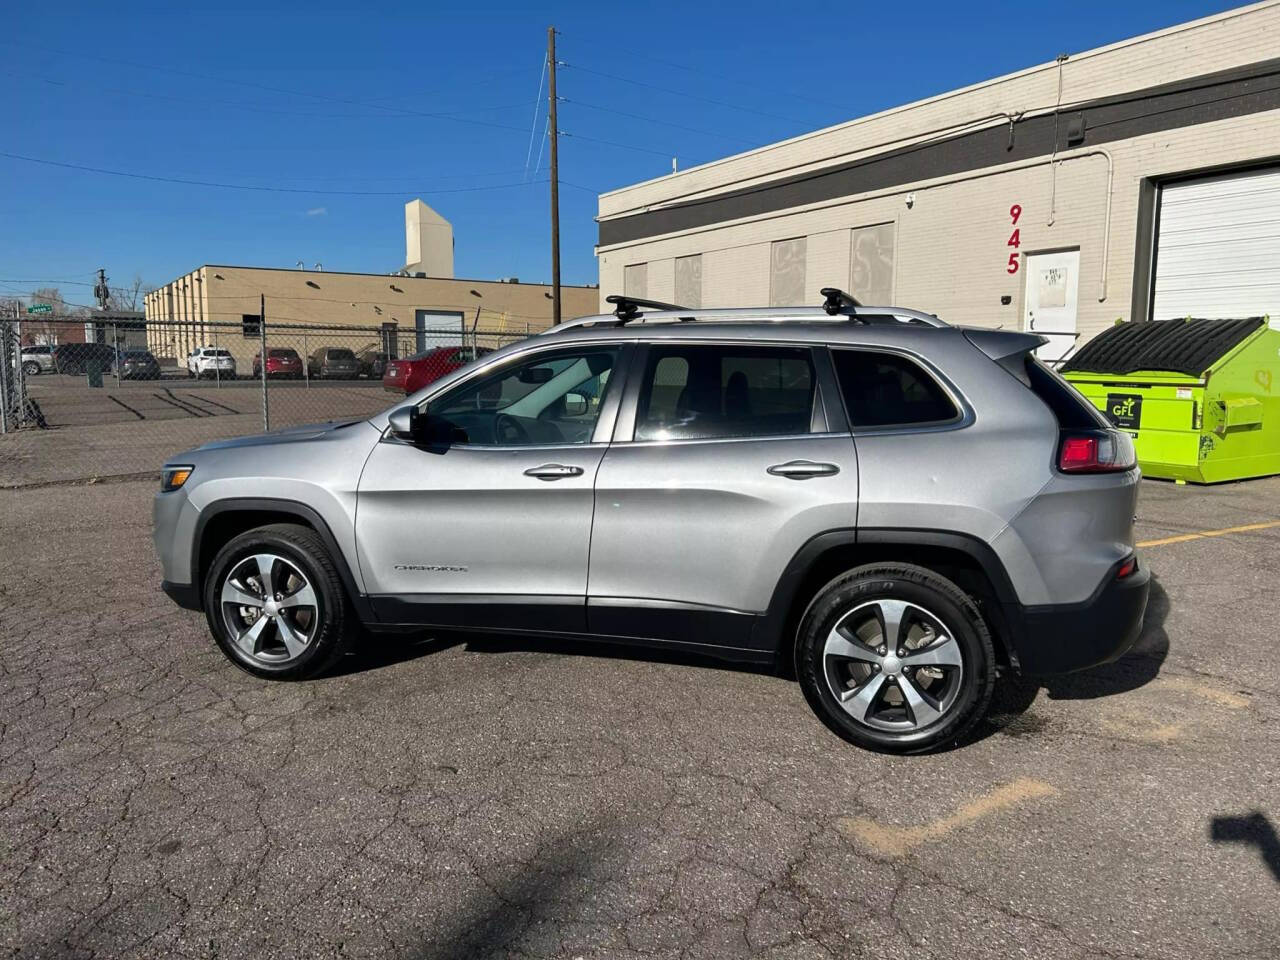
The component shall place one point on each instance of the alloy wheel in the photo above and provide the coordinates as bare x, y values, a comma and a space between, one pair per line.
893, 666
269, 608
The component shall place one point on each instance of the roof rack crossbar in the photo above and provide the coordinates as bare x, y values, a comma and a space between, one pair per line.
628, 308
837, 300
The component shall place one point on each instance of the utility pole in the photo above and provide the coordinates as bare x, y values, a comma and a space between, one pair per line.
101, 291
555, 180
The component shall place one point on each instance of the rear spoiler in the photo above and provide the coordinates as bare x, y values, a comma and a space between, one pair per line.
1002, 344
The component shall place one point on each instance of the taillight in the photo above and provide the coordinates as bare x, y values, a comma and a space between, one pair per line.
1127, 568
1096, 451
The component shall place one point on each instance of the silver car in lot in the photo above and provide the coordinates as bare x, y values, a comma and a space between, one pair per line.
36, 359
893, 507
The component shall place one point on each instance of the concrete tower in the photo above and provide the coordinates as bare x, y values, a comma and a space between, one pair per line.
428, 241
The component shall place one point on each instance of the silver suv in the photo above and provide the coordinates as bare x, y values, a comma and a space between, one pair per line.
895, 506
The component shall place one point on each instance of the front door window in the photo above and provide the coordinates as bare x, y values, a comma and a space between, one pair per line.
549, 400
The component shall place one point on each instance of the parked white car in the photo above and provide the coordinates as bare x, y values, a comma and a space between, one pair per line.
210, 362
37, 359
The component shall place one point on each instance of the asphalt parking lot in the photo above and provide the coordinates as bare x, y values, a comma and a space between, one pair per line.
131, 427
494, 798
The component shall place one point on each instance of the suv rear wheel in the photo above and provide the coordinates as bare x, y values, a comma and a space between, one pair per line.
275, 603
894, 657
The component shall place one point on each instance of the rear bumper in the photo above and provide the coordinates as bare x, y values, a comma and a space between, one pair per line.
183, 594
1063, 638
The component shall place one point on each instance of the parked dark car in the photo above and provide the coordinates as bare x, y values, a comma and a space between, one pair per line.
138, 365
282, 362
373, 362
75, 358
413, 373
333, 363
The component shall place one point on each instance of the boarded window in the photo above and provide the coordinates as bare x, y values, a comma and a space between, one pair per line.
871, 279
635, 280
689, 281
786, 272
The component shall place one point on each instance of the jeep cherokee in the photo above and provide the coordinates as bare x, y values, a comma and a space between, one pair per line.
895, 506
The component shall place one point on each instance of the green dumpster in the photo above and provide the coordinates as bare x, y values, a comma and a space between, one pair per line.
1201, 398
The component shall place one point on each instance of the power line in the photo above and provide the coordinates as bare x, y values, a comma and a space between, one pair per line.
691, 96
256, 188
533, 126
791, 95
608, 143
397, 111
255, 108
665, 123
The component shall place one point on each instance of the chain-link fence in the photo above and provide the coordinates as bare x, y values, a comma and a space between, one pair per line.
80, 400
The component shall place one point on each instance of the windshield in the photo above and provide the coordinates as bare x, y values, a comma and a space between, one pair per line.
341, 355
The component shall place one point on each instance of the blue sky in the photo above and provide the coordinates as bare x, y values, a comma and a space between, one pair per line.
371, 105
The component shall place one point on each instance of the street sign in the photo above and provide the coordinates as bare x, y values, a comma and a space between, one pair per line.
40, 308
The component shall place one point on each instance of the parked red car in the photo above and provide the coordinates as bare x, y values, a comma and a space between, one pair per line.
281, 362
413, 373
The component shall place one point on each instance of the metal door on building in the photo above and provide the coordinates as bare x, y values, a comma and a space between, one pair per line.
1049, 303
437, 328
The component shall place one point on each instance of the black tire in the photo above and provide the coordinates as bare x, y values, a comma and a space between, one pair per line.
301, 547
964, 691
31, 368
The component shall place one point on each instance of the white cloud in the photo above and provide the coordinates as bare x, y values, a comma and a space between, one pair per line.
317, 212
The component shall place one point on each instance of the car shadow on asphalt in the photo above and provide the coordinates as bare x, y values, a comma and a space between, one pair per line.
1014, 695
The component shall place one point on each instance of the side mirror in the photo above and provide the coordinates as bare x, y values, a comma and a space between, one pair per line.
424, 429
575, 405
404, 422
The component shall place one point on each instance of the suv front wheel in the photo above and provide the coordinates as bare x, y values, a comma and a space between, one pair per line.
895, 658
275, 603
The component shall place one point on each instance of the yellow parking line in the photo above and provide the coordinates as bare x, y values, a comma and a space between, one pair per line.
891, 841
1184, 537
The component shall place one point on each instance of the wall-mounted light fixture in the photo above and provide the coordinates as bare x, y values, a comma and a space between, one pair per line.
312, 283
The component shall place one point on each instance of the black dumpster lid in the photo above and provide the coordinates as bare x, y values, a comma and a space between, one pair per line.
1179, 346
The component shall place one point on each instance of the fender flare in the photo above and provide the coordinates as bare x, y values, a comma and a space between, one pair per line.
292, 508
769, 629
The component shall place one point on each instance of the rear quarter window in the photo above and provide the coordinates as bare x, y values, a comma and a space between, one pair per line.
1070, 408
890, 390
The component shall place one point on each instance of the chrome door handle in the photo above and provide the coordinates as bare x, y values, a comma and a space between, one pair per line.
553, 471
803, 469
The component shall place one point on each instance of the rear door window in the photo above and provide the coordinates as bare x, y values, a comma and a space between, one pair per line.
890, 390
696, 392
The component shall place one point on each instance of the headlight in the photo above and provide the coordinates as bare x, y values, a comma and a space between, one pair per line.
173, 477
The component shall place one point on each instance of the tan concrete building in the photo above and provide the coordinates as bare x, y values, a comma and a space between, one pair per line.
221, 303
1137, 180
419, 306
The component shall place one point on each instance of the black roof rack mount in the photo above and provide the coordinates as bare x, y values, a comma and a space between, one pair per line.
836, 300
628, 308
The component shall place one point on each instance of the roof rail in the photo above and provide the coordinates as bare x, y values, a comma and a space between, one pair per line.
628, 307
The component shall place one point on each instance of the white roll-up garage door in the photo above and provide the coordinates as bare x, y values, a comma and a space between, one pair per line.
1218, 247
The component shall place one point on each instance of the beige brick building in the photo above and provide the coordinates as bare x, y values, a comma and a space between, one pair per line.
1136, 180
418, 306
220, 304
